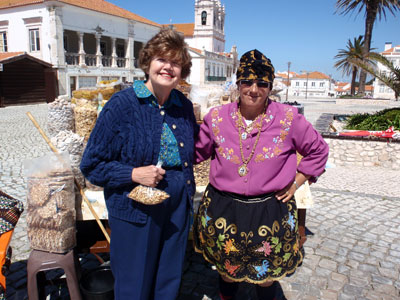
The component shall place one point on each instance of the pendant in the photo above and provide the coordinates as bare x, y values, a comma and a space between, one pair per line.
243, 170
244, 135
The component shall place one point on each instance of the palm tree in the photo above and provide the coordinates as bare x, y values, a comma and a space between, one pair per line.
390, 79
373, 9
348, 58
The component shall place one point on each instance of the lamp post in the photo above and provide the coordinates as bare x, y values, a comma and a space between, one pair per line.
307, 73
288, 81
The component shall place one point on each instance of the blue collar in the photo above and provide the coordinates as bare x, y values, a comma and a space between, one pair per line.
144, 93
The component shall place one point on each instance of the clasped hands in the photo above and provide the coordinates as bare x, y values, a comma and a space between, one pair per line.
148, 175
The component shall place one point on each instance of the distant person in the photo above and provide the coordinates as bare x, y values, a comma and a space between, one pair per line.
139, 127
247, 221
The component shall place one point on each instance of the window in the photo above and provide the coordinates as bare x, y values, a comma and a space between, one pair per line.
87, 81
297, 83
120, 50
34, 39
304, 83
321, 84
3, 41
65, 38
313, 83
103, 48
204, 18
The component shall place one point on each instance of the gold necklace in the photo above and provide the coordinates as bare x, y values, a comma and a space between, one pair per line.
249, 128
243, 170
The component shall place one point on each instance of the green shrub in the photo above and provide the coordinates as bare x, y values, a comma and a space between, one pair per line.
381, 120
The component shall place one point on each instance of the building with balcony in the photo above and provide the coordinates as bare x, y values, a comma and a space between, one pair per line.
92, 40
85, 41
393, 55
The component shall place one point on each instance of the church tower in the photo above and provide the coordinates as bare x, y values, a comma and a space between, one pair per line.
209, 22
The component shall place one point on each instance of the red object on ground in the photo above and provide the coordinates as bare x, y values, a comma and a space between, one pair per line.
355, 133
388, 133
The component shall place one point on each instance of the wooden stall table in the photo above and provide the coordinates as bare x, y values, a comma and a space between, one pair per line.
90, 238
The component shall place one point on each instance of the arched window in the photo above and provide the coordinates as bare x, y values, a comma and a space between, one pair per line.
204, 18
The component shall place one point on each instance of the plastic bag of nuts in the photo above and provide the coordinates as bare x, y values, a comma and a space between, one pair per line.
51, 203
148, 195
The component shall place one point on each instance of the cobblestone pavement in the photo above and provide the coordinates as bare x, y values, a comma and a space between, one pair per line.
353, 247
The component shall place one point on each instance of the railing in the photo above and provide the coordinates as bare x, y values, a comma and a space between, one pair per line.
90, 60
121, 62
215, 78
72, 58
106, 61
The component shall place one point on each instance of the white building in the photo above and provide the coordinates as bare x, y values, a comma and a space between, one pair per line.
312, 84
342, 88
93, 40
86, 41
392, 54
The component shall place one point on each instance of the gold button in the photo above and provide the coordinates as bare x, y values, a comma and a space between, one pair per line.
173, 126
185, 164
181, 144
162, 112
188, 182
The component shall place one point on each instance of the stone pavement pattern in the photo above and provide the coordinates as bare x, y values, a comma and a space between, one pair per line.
353, 252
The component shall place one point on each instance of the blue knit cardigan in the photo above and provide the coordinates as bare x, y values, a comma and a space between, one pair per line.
127, 134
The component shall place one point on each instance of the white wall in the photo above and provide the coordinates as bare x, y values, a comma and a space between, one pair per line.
312, 91
18, 32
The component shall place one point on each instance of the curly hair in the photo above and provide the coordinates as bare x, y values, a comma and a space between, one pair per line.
168, 44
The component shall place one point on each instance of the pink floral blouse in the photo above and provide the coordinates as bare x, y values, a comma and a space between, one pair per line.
274, 162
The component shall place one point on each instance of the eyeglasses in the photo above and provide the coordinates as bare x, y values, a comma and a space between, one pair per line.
249, 83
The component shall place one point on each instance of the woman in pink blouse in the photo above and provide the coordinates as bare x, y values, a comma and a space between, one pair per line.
247, 221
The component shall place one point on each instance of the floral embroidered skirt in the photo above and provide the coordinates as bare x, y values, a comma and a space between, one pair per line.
253, 240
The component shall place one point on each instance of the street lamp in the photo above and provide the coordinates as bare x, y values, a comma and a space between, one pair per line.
307, 73
288, 82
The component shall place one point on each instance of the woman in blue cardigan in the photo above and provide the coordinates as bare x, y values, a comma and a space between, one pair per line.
137, 128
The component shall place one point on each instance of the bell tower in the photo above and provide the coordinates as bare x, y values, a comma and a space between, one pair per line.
209, 22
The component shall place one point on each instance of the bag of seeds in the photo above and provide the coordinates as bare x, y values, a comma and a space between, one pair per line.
148, 195
51, 203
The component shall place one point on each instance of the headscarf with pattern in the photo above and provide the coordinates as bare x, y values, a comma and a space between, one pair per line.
255, 65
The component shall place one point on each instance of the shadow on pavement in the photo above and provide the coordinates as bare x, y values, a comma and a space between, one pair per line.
199, 280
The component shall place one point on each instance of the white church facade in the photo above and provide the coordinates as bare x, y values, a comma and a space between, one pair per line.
206, 38
89, 41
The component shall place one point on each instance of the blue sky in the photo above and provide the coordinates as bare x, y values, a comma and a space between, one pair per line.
306, 33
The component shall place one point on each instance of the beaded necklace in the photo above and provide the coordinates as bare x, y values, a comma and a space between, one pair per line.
243, 169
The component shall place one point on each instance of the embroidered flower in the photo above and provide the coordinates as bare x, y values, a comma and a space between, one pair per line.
263, 269
230, 247
230, 268
291, 221
286, 123
266, 248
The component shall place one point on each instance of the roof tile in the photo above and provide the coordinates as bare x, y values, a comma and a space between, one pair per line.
6, 55
186, 28
313, 75
95, 5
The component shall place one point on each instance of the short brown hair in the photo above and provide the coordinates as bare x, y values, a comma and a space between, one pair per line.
169, 44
